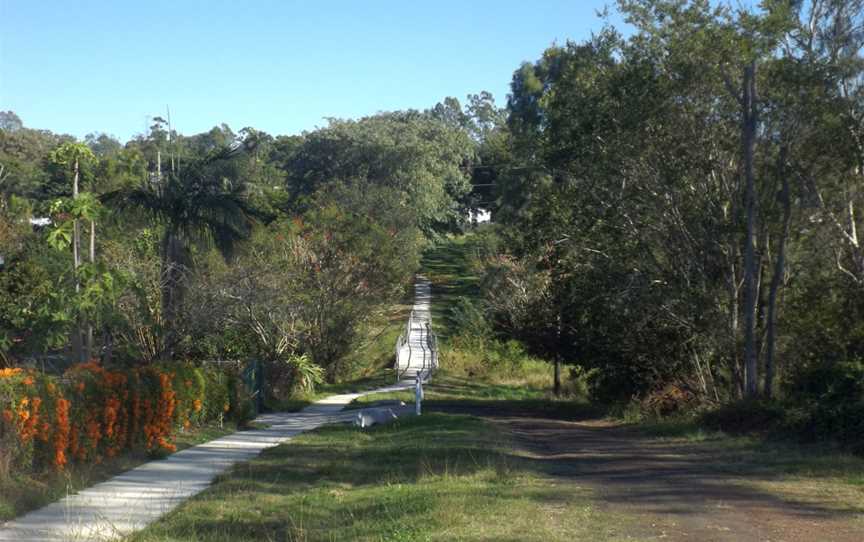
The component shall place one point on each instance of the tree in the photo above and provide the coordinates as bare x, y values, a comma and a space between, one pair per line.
202, 202
74, 155
10, 122
422, 158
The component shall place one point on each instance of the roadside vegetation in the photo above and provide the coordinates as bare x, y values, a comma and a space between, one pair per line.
436, 477
22, 490
674, 245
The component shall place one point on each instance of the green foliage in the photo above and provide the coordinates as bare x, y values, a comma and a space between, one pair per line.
202, 202
72, 155
494, 361
35, 298
469, 319
619, 196
745, 417
217, 396
417, 158
824, 403
820, 384
306, 374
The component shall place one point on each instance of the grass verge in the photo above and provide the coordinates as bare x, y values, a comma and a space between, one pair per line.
449, 267
436, 477
796, 471
446, 392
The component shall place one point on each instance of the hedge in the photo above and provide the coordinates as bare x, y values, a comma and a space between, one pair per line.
93, 412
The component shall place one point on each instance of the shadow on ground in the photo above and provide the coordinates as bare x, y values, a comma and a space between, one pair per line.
686, 491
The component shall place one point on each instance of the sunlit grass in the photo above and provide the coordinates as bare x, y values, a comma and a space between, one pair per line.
436, 477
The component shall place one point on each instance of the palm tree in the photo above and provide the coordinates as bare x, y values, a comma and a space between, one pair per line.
202, 202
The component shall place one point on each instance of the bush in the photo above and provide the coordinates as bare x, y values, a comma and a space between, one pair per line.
94, 412
823, 403
578, 383
217, 397
495, 361
468, 319
832, 383
827, 403
744, 417
672, 399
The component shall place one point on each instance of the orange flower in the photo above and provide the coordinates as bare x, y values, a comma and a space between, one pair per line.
44, 432
7, 373
196, 405
28, 381
59, 459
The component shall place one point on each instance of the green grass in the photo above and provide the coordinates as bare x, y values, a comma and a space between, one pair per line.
436, 477
25, 492
371, 399
751, 454
447, 392
299, 401
449, 268
782, 467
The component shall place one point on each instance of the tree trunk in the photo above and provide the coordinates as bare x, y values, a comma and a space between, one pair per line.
777, 278
734, 312
90, 346
172, 290
558, 348
557, 375
77, 346
748, 129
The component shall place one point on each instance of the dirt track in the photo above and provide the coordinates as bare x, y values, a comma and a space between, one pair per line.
679, 490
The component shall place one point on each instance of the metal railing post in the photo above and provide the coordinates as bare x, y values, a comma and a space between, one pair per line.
418, 394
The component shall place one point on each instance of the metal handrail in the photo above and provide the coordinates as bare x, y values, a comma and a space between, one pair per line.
423, 347
428, 346
404, 338
432, 340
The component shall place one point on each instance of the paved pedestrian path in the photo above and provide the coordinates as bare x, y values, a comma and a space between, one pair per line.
132, 500
417, 349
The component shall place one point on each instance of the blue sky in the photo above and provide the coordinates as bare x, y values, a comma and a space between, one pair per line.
280, 66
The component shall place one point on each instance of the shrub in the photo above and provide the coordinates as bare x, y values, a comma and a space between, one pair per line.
671, 399
94, 412
827, 402
832, 383
496, 361
217, 396
469, 319
745, 417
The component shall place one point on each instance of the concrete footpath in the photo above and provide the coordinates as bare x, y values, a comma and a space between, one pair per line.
416, 353
130, 501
